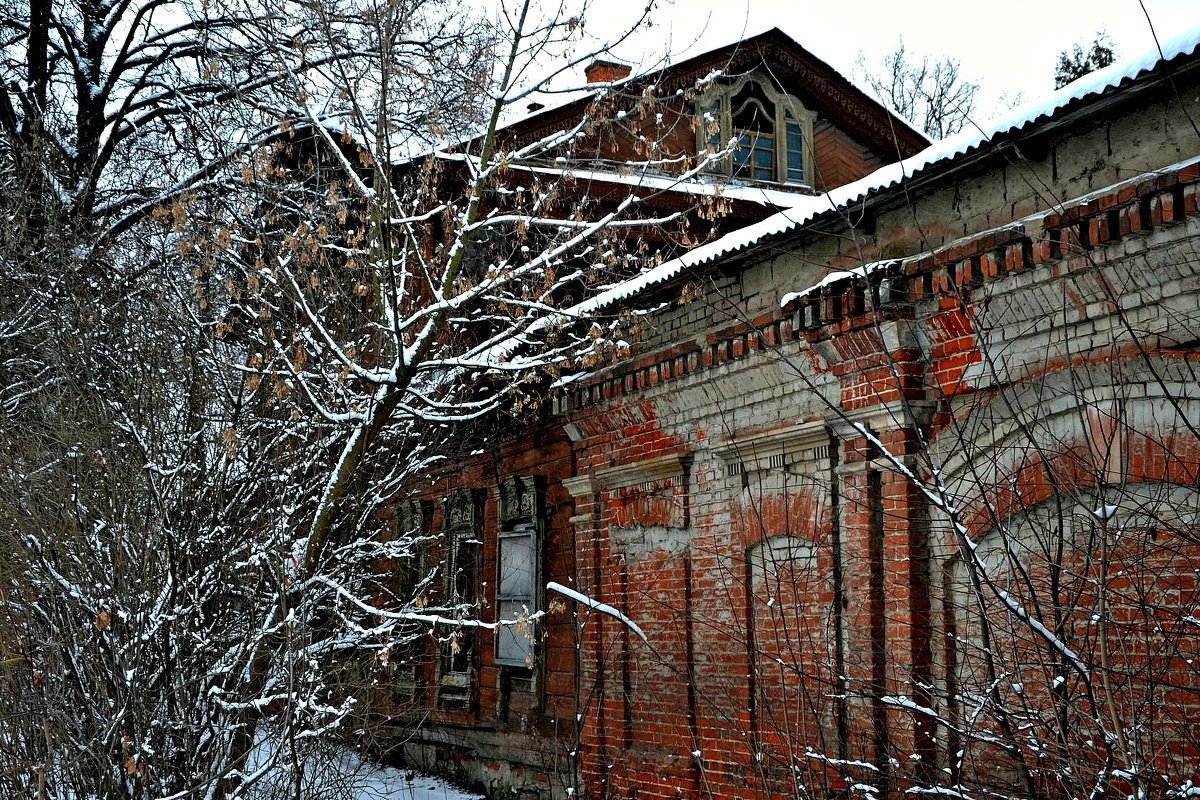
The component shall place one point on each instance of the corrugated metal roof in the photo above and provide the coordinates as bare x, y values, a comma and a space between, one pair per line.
939, 153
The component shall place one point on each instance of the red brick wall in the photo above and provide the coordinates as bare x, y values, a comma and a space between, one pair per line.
524, 745
847, 667
1013, 361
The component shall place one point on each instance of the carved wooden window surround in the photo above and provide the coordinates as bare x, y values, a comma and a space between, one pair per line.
773, 131
461, 582
412, 576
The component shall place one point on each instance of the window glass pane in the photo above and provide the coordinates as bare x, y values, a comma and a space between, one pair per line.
516, 566
764, 159
793, 137
466, 573
795, 153
757, 151
514, 643
710, 118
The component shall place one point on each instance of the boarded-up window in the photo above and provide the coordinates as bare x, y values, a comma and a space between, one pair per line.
457, 666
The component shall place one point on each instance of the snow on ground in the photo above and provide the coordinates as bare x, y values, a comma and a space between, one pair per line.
388, 783
333, 772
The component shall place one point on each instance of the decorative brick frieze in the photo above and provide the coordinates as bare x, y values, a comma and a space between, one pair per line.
774, 449
1126, 209
645, 473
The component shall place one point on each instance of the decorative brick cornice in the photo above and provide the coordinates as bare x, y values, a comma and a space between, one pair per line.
648, 471
895, 415
1125, 209
1129, 208
774, 449
686, 358
581, 486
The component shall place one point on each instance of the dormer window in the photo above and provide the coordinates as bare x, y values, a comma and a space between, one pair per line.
770, 132
754, 127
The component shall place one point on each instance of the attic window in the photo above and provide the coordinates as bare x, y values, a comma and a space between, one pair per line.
754, 127
770, 132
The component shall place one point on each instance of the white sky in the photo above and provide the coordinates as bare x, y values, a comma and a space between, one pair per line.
1009, 46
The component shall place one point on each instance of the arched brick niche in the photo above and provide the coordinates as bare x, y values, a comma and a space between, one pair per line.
1065, 563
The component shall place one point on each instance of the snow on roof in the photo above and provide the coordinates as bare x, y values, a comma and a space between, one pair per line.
833, 277
709, 185
806, 209
545, 102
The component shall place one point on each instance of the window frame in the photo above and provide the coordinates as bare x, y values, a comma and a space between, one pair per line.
715, 107
512, 605
461, 520
520, 516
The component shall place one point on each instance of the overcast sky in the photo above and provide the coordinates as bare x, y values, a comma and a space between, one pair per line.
1008, 46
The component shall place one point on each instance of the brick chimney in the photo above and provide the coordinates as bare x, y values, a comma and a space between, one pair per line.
606, 71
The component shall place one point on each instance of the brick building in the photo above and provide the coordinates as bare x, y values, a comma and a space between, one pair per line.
899, 483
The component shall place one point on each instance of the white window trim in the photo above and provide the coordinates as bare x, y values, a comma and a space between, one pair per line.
784, 104
529, 602
520, 511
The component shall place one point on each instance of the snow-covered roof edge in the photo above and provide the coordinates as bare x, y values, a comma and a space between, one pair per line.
556, 100
710, 185
941, 152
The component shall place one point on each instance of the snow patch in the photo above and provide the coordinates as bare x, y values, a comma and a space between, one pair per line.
834, 277
703, 185
337, 771
596, 605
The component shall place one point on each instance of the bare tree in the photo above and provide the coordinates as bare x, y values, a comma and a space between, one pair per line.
930, 93
268, 258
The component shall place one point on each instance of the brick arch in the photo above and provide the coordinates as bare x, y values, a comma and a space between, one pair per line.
1072, 430
1077, 468
797, 510
1120, 593
1109, 468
